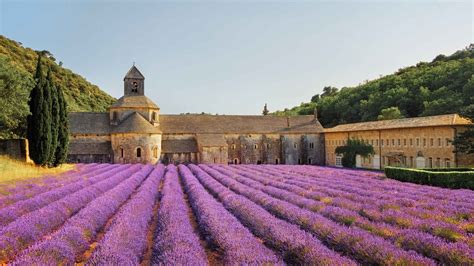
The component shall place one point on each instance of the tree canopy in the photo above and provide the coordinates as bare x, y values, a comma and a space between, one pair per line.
442, 86
17, 69
351, 149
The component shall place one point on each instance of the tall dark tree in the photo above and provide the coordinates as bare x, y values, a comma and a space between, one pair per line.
35, 103
63, 130
55, 118
265, 110
45, 121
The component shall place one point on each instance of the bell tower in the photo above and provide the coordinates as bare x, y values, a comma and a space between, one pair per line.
134, 82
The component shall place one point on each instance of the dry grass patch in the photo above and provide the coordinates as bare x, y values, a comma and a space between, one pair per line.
13, 171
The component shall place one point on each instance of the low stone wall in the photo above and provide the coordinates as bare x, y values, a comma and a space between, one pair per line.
15, 148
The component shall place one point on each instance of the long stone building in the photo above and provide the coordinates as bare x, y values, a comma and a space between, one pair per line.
133, 130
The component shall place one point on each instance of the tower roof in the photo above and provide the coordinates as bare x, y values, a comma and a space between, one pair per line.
136, 123
139, 101
134, 73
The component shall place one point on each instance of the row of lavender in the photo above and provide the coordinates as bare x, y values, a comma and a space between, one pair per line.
423, 243
245, 214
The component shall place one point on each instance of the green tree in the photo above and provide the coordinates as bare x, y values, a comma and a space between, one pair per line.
464, 141
15, 86
390, 113
55, 119
36, 121
45, 120
63, 130
353, 148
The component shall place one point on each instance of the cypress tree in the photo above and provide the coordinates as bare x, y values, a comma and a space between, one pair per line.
44, 120
63, 132
34, 127
55, 109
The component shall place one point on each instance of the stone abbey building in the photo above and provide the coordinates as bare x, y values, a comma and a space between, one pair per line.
133, 130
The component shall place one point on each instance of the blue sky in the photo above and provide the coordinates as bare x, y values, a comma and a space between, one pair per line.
232, 57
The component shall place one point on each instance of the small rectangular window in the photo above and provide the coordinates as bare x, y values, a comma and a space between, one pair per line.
447, 142
411, 142
424, 142
404, 142
398, 142
431, 142
439, 142
447, 163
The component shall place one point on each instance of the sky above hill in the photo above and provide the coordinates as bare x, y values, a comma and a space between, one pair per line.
232, 57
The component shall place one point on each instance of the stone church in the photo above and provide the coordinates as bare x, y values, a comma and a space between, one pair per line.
134, 131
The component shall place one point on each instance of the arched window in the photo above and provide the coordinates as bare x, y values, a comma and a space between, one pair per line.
255, 146
153, 116
277, 161
134, 86
139, 152
121, 152
155, 152
114, 116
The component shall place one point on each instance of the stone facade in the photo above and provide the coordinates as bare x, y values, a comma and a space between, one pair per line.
134, 131
15, 148
423, 142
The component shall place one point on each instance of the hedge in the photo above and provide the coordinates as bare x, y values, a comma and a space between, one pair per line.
438, 178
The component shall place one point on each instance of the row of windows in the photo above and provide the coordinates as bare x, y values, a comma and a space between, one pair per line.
400, 142
430, 162
138, 152
255, 146
405, 160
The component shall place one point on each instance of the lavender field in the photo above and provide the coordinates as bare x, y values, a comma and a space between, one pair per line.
241, 214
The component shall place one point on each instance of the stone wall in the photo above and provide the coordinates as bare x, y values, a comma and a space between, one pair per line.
136, 148
214, 155
15, 148
429, 144
254, 149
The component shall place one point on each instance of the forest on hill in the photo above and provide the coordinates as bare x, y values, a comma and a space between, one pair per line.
442, 86
17, 67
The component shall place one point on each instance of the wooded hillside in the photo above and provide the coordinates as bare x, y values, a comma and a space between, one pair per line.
17, 66
444, 85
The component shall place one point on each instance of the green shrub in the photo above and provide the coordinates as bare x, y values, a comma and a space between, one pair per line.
438, 178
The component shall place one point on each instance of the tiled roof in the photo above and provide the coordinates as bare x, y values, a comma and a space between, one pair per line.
134, 73
134, 101
179, 145
427, 121
135, 123
89, 123
238, 124
211, 140
98, 123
